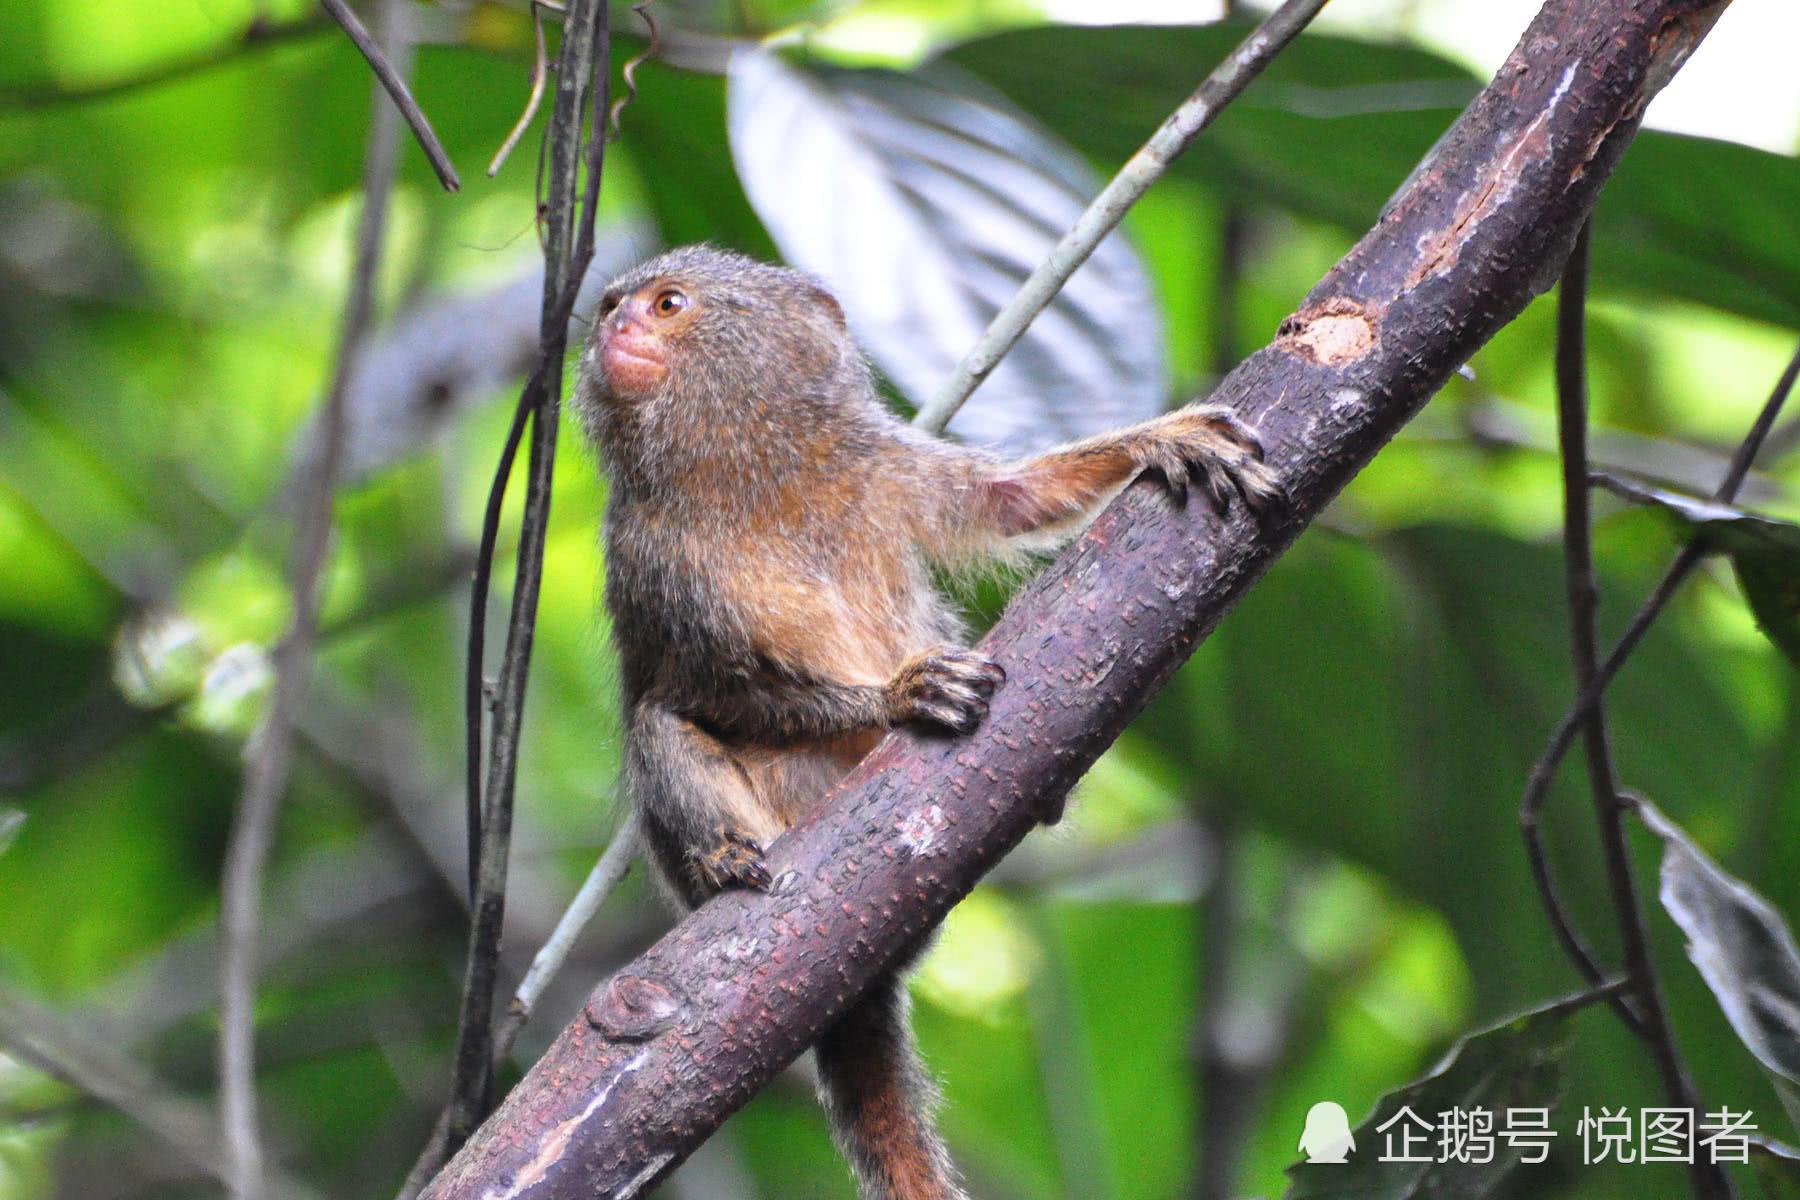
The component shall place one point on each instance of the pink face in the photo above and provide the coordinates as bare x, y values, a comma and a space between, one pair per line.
633, 340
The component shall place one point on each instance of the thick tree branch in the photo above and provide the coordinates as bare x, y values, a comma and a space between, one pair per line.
682, 1037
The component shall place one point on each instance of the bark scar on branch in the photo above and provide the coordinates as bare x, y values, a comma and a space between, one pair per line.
1495, 187
1335, 332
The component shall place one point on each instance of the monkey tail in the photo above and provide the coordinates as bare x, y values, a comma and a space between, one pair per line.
880, 1100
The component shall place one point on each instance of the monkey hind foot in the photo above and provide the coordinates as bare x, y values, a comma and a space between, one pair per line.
733, 859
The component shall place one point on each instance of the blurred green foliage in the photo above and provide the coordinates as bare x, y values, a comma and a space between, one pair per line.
1351, 745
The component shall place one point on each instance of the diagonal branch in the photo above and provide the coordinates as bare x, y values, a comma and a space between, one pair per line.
1537, 787
682, 1037
397, 90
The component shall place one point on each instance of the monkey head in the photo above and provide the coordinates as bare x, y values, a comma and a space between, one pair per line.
708, 324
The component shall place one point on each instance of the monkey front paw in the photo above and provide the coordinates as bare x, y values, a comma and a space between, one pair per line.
733, 860
1207, 443
947, 688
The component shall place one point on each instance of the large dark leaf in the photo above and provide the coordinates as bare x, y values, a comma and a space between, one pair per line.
1744, 950
1777, 1169
1765, 552
1514, 1065
924, 200
1336, 124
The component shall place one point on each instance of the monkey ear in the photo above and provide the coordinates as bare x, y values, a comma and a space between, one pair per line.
829, 303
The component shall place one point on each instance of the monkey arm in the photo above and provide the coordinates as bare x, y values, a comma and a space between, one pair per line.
945, 687
1053, 492
780, 704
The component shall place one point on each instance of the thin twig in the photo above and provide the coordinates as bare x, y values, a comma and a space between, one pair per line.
266, 772
1144, 168
94, 1066
540, 67
1651, 1020
475, 682
614, 864
398, 91
1543, 772
569, 245
630, 69
257, 35
1572, 436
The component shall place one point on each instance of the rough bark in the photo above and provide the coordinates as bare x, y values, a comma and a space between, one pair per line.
678, 1040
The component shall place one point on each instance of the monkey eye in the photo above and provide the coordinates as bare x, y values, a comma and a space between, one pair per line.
607, 304
669, 301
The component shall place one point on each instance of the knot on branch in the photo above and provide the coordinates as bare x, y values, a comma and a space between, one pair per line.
633, 1008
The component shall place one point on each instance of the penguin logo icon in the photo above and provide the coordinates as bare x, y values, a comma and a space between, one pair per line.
1327, 1136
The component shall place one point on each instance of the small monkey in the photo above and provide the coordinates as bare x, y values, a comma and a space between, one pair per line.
770, 536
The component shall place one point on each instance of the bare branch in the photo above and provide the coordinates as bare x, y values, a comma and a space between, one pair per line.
607, 874
266, 772
1571, 381
1543, 772
1141, 170
686, 1034
540, 67
1649, 1019
397, 89
629, 71
568, 249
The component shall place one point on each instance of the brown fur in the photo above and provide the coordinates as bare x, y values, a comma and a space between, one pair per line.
770, 537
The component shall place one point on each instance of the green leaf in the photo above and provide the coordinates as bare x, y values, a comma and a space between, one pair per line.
968, 196
1742, 948
1335, 124
1777, 1169
1764, 552
1515, 1064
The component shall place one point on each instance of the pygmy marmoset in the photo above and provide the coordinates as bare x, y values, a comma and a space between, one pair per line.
771, 532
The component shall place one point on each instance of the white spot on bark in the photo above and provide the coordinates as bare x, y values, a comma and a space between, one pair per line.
1562, 85
919, 831
738, 949
556, 1142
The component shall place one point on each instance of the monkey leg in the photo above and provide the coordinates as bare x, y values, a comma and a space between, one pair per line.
880, 1099
702, 821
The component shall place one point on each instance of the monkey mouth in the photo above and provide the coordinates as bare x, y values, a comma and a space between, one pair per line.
631, 367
